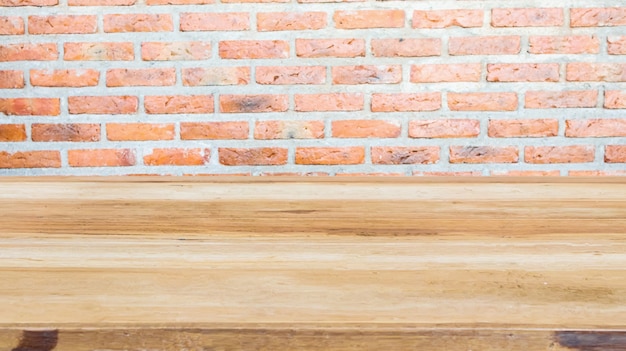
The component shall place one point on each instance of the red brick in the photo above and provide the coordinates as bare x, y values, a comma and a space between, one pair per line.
10, 3
280, 21
253, 103
65, 78
141, 77
11, 25
523, 72
614, 99
177, 157
446, 128
139, 131
447, 18
447, 174
559, 154
28, 52
527, 17
329, 102
554, 173
366, 128
30, 106
62, 24
98, 51
406, 47
574, 44
179, 2
66, 132
493, 45
267, 130
598, 17
615, 154
369, 19
267, 156
312, 48
11, 79
138, 23
253, 49
436, 73
367, 74
484, 154
216, 76
102, 105
399, 155
101, 2
214, 21
523, 128
482, 101
172, 104
101, 158
404, 102
12, 132
609, 127
616, 45
30, 159
214, 130
330, 155
596, 173
280, 75
596, 72
176, 51
561, 99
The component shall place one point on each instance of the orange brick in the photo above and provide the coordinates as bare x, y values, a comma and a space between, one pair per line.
101, 158
598, 17
609, 127
281, 21
98, 51
369, 19
28, 52
12, 132
176, 51
482, 101
177, 157
267, 156
216, 76
330, 155
367, 74
312, 48
280, 75
399, 155
614, 99
615, 154
523, 72
267, 130
253, 49
65, 78
11, 25
10, 3
214, 21
406, 47
179, 2
575, 44
447, 128
30, 159
172, 104
66, 132
436, 73
523, 128
101, 2
404, 102
253, 103
447, 18
527, 17
484, 154
30, 106
616, 45
138, 23
102, 105
11, 79
493, 45
554, 173
139, 131
596, 72
62, 24
214, 130
329, 102
366, 128
561, 99
559, 154
141, 77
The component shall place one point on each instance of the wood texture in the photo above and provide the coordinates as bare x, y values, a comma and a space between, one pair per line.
312, 264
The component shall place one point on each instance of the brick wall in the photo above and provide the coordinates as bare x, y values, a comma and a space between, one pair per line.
323, 87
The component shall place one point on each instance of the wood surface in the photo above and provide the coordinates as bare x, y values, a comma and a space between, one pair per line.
312, 264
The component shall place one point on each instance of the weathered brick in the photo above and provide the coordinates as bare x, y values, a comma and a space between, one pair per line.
554, 173
365, 128
330, 155
288, 75
559, 154
11, 25
312, 48
30, 106
138, 23
122, 77
101, 158
214, 130
214, 21
484, 154
329, 102
177, 157
614, 99
266, 130
598, 17
216, 76
616, 45
253, 103
78, 132
616, 173
406, 47
369, 19
30, 159
523, 128
527, 17
253, 49
574, 44
102, 105
436, 73
447, 174
65, 78
267, 156
11, 79
171, 104
12, 132
404, 102
139, 131
491, 45
11, 3
447, 18
281, 21
372, 174
561, 99
28, 52
179, 2
101, 2
62, 24
323, 1
370, 74
98, 51
403, 155
445, 128
596, 72
252, 1
615, 154
176, 51
607, 127
523, 72
482, 101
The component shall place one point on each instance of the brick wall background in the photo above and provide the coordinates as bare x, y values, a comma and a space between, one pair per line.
468, 87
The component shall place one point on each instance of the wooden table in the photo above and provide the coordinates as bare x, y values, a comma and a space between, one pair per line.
312, 264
